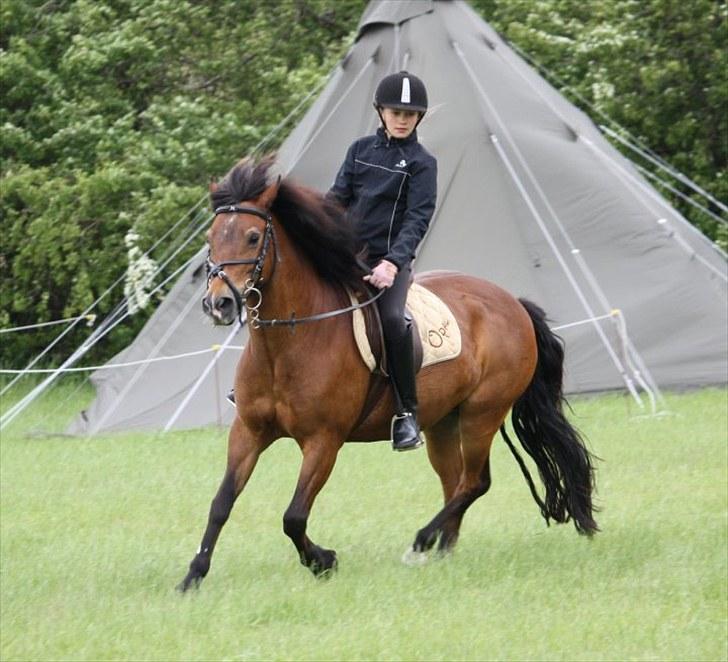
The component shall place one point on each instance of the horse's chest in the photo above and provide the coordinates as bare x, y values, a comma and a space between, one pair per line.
279, 404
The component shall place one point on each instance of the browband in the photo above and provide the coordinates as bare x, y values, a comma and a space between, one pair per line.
236, 209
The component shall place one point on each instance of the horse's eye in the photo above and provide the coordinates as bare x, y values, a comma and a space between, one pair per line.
253, 239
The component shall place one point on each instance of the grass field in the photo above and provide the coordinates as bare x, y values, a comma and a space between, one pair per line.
95, 533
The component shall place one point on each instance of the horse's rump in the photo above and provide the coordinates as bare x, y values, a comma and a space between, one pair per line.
494, 324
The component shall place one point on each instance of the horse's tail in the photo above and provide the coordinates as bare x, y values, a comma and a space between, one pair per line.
563, 461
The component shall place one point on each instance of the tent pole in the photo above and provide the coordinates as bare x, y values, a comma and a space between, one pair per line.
542, 226
654, 158
322, 124
102, 296
628, 178
680, 194
676, 174
217, 396
570, 277
395, 52
142, 368
201, 378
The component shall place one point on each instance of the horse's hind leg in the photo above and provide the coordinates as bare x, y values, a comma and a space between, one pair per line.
243, 453
443, 450
450, 529
477, 429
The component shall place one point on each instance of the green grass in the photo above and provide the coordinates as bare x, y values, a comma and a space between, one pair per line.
96, 533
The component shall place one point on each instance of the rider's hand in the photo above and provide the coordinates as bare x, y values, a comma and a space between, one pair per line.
382, 275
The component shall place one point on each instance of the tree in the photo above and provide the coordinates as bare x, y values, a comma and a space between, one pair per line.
655, 67
114, 114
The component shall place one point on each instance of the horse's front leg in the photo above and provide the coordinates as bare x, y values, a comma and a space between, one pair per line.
319, 457
244, 448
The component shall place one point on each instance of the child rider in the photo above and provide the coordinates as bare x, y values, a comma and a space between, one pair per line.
388, 184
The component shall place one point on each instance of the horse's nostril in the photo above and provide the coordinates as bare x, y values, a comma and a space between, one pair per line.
220, 308
224, 305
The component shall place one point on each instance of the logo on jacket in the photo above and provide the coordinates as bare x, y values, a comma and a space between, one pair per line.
401, 164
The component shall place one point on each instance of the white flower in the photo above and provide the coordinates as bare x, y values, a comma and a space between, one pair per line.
139, 274
602, 90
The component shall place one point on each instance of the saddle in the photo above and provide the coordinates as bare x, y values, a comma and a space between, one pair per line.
436, 335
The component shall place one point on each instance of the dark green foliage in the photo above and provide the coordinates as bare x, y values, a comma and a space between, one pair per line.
115, 114
656, 67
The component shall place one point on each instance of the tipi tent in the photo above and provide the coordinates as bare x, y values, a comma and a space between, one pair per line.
530, 195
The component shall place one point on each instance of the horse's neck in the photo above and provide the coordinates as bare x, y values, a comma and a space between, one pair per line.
294, 289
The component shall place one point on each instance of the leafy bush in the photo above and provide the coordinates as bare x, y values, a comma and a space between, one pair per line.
114, 115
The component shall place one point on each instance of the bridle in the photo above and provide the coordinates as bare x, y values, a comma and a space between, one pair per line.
252, 284
255, 282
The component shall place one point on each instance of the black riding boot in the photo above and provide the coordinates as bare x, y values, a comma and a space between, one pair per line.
405, 430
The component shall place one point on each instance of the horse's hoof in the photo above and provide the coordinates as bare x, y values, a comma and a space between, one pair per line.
188, 583
414, 558
325, 563
328, 573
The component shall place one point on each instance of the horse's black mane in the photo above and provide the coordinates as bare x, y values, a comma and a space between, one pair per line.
315, 224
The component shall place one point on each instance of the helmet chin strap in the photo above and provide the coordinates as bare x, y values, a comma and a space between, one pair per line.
379, 112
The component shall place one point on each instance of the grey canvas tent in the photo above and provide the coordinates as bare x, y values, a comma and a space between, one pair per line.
530, 195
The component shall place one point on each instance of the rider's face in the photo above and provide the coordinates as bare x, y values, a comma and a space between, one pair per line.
399, 123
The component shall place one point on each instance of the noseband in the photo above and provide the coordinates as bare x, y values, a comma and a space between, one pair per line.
253, 283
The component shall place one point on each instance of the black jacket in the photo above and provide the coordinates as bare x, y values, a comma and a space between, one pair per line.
389, 187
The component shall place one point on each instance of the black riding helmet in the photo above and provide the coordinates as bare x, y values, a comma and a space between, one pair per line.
402, 91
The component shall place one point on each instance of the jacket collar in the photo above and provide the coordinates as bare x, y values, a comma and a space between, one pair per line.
384, 140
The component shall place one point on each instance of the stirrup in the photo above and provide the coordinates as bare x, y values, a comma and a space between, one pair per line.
230, 397
409, 437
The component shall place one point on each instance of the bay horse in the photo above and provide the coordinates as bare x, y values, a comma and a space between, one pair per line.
286, 255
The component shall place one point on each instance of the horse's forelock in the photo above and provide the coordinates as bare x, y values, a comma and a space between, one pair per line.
246, 180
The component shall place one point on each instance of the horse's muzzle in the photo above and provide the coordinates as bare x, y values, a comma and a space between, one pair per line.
220, 308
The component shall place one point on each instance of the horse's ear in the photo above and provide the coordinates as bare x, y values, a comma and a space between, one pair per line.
213, 186
266, 198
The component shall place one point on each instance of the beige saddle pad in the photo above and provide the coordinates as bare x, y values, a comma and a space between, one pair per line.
438, 329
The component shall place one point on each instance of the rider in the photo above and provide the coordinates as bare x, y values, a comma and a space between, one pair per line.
388, 183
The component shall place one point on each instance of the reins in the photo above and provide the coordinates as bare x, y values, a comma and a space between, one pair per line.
253, 284
256, 322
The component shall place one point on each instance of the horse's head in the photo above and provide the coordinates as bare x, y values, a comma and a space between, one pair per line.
241, 255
